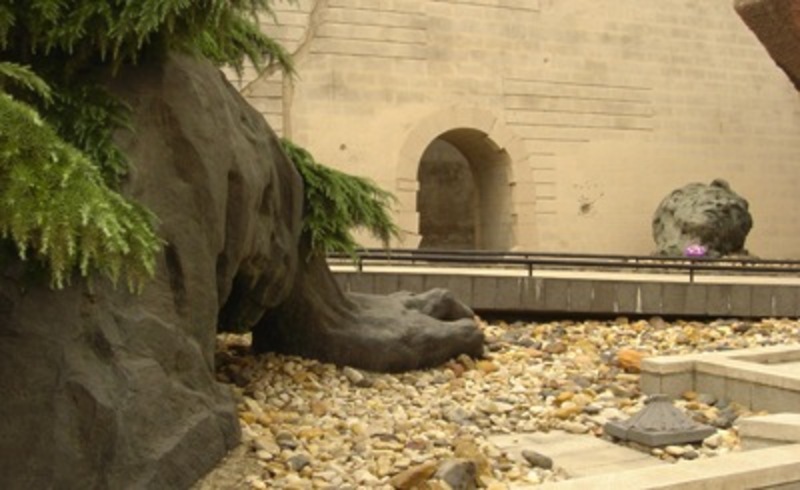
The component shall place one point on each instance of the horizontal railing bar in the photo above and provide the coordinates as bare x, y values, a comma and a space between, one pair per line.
746, 266
494, 253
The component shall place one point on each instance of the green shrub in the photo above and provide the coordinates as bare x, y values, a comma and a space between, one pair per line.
76, 34
56, 207
59, 166
336, 203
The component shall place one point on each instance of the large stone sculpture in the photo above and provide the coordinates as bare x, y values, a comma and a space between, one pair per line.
712, 216
101, 389
381, 333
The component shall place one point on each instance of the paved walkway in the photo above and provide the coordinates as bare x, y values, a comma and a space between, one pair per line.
577, 455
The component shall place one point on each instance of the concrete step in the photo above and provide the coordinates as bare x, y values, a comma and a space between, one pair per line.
769, 430
775, 468
761, 378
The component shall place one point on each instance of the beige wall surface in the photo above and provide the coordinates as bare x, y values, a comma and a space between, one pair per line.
579, 116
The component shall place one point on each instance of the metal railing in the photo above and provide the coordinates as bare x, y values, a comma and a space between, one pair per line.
533, 261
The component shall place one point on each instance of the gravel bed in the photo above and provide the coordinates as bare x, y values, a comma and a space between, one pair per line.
309, 425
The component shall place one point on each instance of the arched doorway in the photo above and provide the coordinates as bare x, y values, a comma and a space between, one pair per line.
464, 197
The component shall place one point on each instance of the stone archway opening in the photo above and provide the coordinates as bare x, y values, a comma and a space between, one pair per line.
464, 197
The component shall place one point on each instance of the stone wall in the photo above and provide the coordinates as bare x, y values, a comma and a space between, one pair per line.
592, 111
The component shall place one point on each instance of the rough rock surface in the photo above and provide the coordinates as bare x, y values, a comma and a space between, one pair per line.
776, 23
105, 390
378, 333
713, 216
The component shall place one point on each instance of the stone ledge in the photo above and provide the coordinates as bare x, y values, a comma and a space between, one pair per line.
762, 374
769, 430
669, 365
756, 378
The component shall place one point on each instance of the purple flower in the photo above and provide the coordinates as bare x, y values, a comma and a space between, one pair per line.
695, 250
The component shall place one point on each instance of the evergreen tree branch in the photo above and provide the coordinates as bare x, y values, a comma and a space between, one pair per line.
58, 163
336, 203
24, 77
56, 207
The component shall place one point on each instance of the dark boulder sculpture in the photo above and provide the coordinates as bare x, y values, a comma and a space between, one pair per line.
391, 333
102, 389
712, 216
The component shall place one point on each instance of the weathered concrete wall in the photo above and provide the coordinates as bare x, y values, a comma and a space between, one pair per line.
590, 296
590, 110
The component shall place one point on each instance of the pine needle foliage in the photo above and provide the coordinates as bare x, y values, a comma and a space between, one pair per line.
73, 43
82, 33
336, 203
243, 40
87, 116
70, 43
59, 167
22, 76
56, 207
